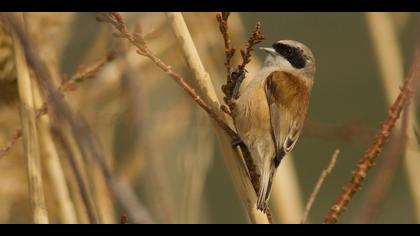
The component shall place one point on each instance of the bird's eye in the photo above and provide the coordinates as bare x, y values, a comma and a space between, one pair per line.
289, 51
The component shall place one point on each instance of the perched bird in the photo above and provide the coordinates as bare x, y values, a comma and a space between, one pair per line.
271, 110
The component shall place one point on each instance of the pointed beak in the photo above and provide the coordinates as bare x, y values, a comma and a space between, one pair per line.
270, 51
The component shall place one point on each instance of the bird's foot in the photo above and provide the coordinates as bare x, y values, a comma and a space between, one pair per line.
238, 76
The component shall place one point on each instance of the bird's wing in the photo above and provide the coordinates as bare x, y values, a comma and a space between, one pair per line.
283, 93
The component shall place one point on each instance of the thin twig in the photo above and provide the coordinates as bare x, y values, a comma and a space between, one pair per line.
139, 42
67, 85
206, 87
231, 81
318, 186
11, 143
60, 110
124, 219
256, 38
84, 73
222, 18
228, 88
368, 159
389, 58
381, 183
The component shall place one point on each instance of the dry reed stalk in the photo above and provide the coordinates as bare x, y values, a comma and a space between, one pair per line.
86, 213
84, 192
82, 216
318, 186
239, 171
85, 140
236, 168
54, 168
388, 53
30, 136
286, 199
231, 89
84, 73
371, 154
286, 196
142, 49
102, 197
100, 192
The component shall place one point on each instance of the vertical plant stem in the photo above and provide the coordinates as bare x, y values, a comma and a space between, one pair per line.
30, 137
54, 168
61, 111
233, 159
286, 199
76, 171
82, 213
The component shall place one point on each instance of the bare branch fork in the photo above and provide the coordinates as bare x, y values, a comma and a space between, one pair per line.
234, 78
366, 163
138, 40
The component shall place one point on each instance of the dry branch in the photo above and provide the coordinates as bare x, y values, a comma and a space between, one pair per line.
61, 111
139, 42
67, 85
240, 174
11, 143
318, 186
222, 18
382, 181
390, 62
368, 159
232, 81
201, 76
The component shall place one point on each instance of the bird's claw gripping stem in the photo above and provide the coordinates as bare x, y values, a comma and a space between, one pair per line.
236, 141
238, 76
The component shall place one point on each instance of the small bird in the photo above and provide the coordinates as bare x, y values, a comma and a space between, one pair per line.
270, 113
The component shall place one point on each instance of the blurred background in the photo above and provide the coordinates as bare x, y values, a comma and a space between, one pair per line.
164, 145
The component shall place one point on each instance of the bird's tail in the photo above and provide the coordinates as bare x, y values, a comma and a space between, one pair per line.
266, 181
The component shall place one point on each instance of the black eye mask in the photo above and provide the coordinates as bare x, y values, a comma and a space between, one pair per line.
293, 55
